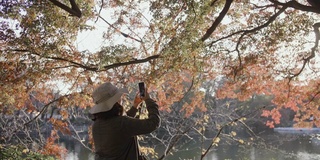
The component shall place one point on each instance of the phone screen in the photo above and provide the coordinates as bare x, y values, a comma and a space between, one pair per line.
141, 89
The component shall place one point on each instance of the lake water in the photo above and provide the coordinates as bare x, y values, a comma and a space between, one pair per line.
278, 147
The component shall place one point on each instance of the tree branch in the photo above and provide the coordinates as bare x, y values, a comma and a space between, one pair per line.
74, 10
123, 34
174, 140
135, 61
294, 4
218, 20
245, 32
107, 67
306, 60
227, 124
44, 109
66, 60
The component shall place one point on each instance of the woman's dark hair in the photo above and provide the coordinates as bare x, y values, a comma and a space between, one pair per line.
116, 110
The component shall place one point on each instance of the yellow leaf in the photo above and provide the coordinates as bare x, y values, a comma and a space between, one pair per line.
241, 141
206, 118
233, 133
25, 150
218, 126
216, 140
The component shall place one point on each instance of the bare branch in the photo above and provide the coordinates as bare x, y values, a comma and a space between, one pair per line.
77, 136
44, 109
174, 140
227, 124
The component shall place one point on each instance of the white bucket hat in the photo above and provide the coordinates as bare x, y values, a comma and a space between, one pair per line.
105, 96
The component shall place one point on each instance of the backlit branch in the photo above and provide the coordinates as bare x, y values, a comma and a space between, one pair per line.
123, 34
74, 64
69, 61
294, 4
218, 20
313, 50
107, 67
245, 32
74, 10
135, 61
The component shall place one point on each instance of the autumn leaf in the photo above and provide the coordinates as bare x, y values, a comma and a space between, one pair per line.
216, 141
233, 133
60, 125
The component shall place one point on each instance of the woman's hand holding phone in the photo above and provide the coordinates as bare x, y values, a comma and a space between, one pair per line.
141, 95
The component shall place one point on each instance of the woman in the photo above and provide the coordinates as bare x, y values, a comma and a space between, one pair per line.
114, 133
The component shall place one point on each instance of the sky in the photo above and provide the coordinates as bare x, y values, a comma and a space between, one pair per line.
91, 40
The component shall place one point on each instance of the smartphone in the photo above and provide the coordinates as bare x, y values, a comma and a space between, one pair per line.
142, 89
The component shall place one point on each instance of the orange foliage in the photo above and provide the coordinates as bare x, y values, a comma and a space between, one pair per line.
64, 114
258, 79
270, 124
91, 138
52, 148
60, 126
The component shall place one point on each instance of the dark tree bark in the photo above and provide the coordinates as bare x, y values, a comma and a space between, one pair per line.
74, 10
314, 3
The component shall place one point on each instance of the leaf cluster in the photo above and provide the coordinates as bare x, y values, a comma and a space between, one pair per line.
19, 152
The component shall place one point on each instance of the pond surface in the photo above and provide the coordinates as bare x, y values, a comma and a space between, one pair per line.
279, 147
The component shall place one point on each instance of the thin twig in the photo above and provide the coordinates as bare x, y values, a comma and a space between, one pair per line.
122, 33
225, 125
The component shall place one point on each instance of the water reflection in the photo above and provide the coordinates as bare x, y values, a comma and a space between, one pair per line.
279, 148
76, 151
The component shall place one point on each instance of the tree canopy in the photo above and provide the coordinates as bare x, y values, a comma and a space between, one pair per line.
252, 47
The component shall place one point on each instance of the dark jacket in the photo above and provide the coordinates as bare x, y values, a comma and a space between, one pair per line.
115, 139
